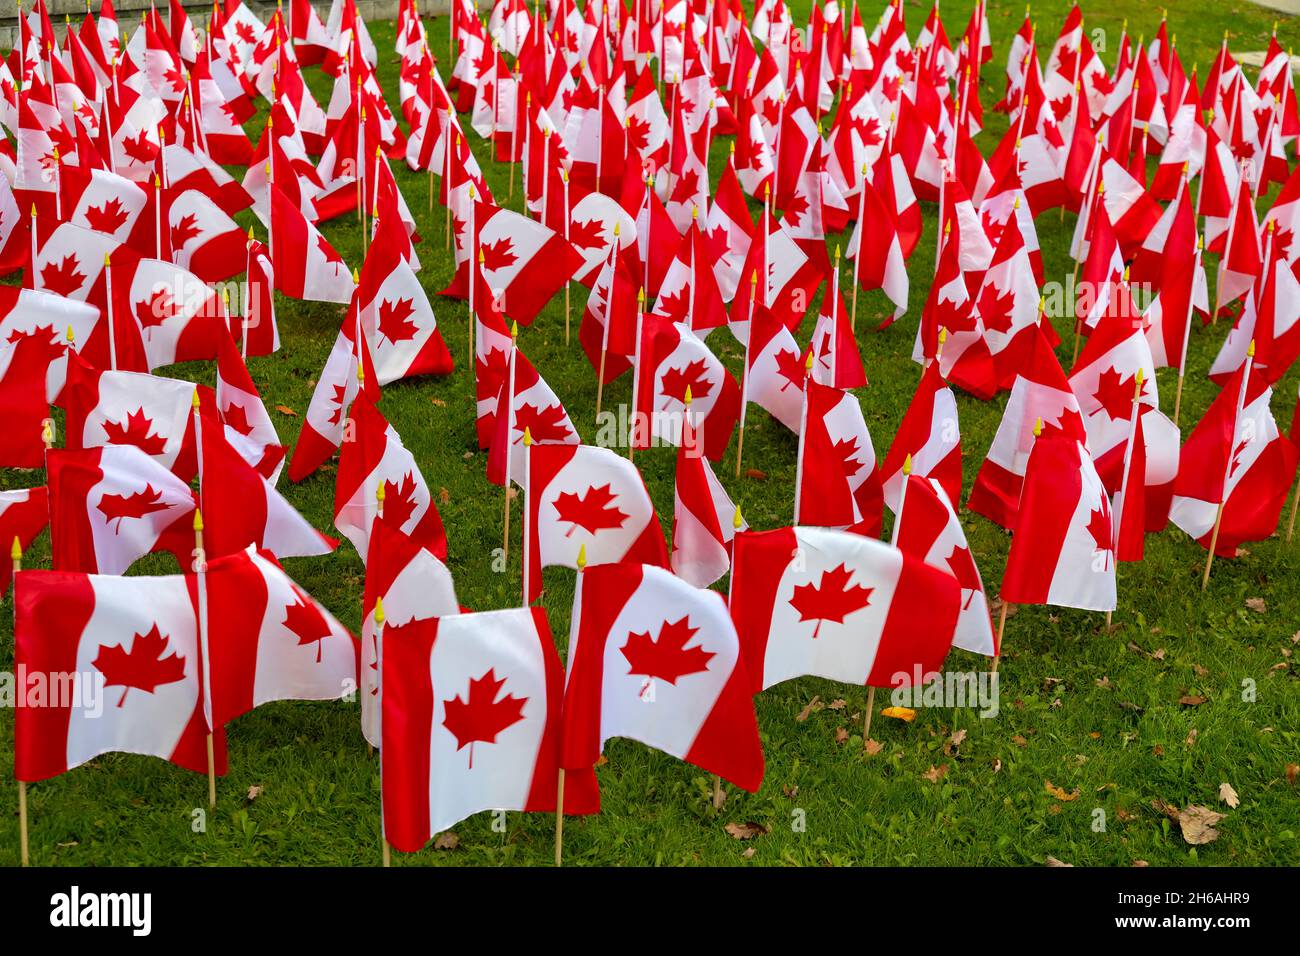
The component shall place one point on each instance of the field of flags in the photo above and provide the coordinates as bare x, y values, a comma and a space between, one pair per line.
701, 213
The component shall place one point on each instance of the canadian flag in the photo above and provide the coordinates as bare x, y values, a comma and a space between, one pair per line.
836, 359
583, 497
132, 646
110, 506
306, 265
411, 584
608, 330
187, 169
596, 224
1041, 392
24, 513
396, 316
203, 238
704, 518
180, 317
838, 481
928, 528
323, 425
257, 330
775, 372
71, 262
689, 292
241, 507
672, 361
730, 232
1008, 304
374, 458
131, 408
929, 433
826, 603
878, 257
965, 359
1270, 322
1235, 457
471, 722
524, 263
641, 635
268, 639
24, 366
106, 203
526, 405
1062, 548
246, 422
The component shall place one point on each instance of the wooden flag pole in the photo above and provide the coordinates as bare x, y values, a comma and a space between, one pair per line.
744, 375
559, 776
1223, 499
16, 554
1002, 614
1295, 504
604, 332
379, 653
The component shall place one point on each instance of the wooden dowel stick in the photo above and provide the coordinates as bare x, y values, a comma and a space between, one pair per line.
866, 721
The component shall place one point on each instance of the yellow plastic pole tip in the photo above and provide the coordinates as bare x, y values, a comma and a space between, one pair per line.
1250, 349
198, 520
737, 522
194, 400
943, 335
379, 609
582, 556
528, 437
72, 336
514, 331
16, 551
808, 363
907, 464
686, 398
1038, 428
380, 492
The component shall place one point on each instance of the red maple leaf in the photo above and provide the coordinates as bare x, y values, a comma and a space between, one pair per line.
638, 133
1115, 394
245, 32
675, 305
790, 366
830, 599
140, 149
490, 371
1070, 426
109, 217
395, 320
594, 510
400, 501
329, 252
305, 620
963, 568
995, 308
666, 657
1066, 57
847, 450
63, 277
771, 110
686, 188
795, 209
337, 399
1099, 526
480, 717
955, 316
1236, 456
547, 424
41, 343
1282, 239
1061, 107
118, 507
156, 309
694, 376
143, 667
499, 254
235, 418
868, 130
184, 230
1102, 84
136, 431
589, 234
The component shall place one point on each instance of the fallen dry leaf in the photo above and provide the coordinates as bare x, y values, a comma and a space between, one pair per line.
935, 774
1053, 861
1257, 604
905, 714
872, 747
1191, 700
1060, 793
438, 402
756, 474
1197, 823
1019, 741
1141, 863
447, 840
839, 703
1228, 795
997, 764
790, 791
444, 496
1191, 736
746, 831
749, 852
814, 704
253, 793
841, 735
286, 410
1292, 771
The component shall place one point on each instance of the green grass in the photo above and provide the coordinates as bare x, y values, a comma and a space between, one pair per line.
1088, 710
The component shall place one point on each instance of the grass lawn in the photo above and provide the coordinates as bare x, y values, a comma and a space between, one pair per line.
1095, 714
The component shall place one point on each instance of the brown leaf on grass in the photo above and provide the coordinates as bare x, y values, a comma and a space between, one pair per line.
954, 742
841, 735
997, 764
872, 747
1197, 823
756, 474
790, 791
1191, 700
1140, 863
746, 831
286, 410
839, 703
438, 402
1019, 741
813, 705
935, 774
1292, 771
253, 793
447, 840
1060, 793
1165, 807
1053, 861
1103, 682
1200, 671
444, 496
1191, 736
995, 608
1158, 654
749, 852
1229, 795
1257, 604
